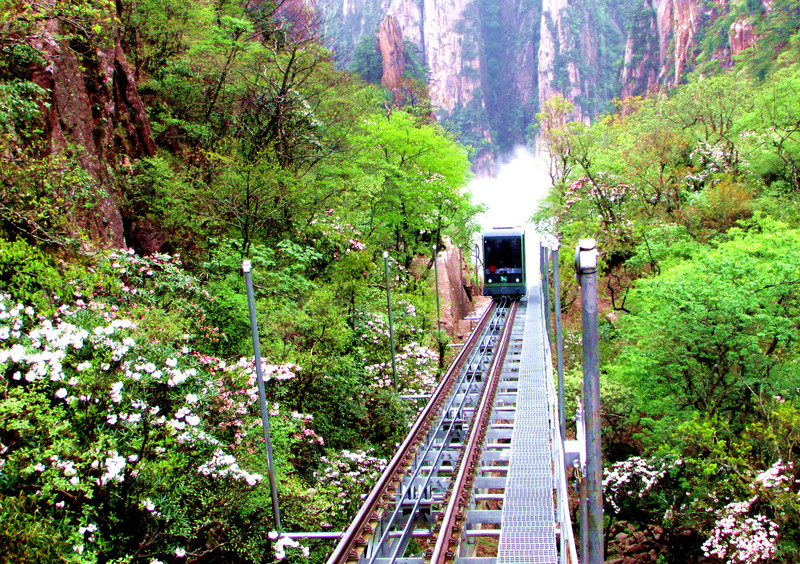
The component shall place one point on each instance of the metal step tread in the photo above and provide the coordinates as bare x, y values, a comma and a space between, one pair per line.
528, 528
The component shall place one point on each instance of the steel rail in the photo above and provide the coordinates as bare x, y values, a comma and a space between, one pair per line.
466, 382
353, 537
461, 487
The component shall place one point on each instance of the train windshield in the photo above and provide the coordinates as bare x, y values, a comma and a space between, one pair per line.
503, 255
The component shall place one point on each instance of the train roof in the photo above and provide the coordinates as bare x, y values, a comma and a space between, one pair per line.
504, 232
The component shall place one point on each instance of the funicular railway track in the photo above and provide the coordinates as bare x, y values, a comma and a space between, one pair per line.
418, 511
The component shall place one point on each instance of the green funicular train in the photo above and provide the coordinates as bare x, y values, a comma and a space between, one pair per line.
504, 262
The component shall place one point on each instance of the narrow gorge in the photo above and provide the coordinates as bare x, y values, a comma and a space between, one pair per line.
488, 65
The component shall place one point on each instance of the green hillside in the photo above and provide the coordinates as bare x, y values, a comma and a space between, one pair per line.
694, 198
146, 149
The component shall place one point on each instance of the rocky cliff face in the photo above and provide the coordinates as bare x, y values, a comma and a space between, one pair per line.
662, 45
520, 20
564, 78
432, 25
486, 66
93, 105
491, 62
393, 57
451, 83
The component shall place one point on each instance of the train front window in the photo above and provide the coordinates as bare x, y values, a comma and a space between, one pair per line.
503, 255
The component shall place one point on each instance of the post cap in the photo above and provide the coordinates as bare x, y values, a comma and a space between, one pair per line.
246, 266
550, 241
587, 254
385, 254
585, 257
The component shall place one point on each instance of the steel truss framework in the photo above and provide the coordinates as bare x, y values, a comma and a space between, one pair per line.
488, 466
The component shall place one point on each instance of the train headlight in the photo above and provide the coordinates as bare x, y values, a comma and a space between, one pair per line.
517, 279
489, 280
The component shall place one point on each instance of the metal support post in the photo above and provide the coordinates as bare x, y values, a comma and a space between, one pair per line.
436, 275
546, 290
541, 263
559, 341
583, 507
460, 270
478, 282
247, 267
578, 451
586, 266
391, 325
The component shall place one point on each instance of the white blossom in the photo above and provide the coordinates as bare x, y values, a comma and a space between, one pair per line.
116, 392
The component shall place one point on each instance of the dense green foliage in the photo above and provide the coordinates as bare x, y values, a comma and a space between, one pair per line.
130, 428
693, 197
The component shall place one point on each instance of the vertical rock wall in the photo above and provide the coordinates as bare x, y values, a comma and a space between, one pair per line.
555, 41
501, 58
661, 46
449, 85
521, 20
95, 107
456, 303
409, 16
390, 42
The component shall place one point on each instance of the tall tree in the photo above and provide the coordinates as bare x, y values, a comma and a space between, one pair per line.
420, 181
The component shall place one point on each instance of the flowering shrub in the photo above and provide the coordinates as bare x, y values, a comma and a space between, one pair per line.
608, 199
774, 477
713, 499
750, 530
344, 476
154, 283
123, 437
739, 537
400, 278
284, 545
707, 159
635, 477
417, 369
340, 249
116, 441
151, 277
330, 496
337, 233
235, 395
417, 365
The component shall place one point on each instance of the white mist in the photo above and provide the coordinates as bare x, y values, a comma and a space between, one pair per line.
511, 197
